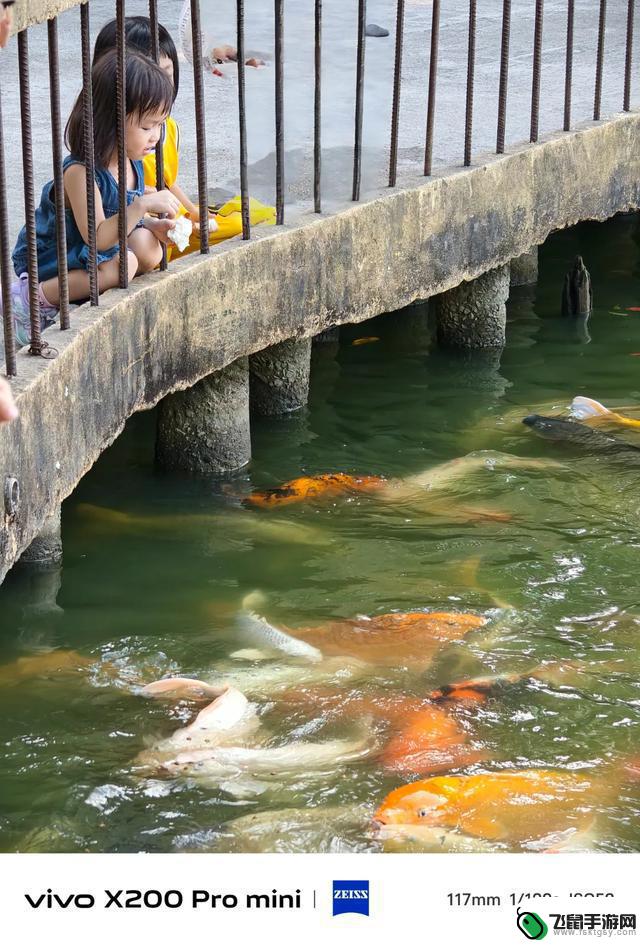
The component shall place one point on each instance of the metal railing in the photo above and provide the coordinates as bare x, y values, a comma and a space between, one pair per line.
433, 43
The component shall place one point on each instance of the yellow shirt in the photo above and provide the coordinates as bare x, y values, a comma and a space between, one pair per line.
170, 149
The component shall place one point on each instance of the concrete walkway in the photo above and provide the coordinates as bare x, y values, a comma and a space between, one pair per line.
339, 89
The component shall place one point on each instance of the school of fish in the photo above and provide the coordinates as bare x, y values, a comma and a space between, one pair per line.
330, 671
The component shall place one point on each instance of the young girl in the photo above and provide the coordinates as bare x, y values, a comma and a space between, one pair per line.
227, 221
148, 101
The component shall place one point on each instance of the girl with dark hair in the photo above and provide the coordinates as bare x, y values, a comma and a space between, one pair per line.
227, 221
149, 96
138, 36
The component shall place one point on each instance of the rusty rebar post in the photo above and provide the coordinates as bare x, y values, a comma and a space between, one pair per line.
6, 269
537, 65
279, 108
155, 55
242, 118
503, 86
89, 154
433, 76
597, 97
317, 110
471, 66
360, 59
201, 131
29, 194
121, 114
568, 70
395, 107
628, 57
58, 177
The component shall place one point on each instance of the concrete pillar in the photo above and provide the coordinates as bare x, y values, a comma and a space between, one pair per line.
205, 429
45, 551
411, 328
524, 269
279, 377
474, 314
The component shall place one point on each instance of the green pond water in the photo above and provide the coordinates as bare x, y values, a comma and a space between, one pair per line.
156, 567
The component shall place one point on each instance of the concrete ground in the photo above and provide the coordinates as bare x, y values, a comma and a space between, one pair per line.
339, 89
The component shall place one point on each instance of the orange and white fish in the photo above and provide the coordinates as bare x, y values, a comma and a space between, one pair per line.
226, 720
333, 485
584, 408
519, 808
181, 687
555, 673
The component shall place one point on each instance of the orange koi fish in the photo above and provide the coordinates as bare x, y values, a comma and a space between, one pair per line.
44, 665
391, 639
325, 486
515, 807
431, 742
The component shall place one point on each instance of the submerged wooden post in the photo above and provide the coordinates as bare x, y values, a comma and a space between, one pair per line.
577, 296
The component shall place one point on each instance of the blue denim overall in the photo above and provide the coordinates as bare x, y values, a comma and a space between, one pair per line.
77, 249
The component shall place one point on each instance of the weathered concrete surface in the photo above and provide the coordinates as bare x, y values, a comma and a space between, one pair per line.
205, 430
279, 377
474, 314
29, 12
45, 551
171, 330
524, 268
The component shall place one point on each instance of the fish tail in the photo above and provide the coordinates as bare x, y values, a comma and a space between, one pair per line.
585, 408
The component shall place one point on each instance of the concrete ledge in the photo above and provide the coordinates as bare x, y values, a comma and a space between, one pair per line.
29, 12
170, 330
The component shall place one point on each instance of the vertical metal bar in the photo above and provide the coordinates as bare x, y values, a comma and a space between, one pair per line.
317, 110
278, 11
395, 108
89, 157
58, 180
433, 74
504, 76
121, 112
242, 117
471, 65
201, 136
357, 145
155, 55
29, 195
568, 72
537, 62
6, 269
628, 57
597, 98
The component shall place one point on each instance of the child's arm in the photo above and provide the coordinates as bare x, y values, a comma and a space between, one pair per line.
75, 185
189, 206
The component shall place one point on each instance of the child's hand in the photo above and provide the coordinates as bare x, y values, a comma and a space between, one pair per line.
161, 202
213, 226
159, 228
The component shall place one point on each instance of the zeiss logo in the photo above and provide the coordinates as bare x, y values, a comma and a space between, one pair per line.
350, 895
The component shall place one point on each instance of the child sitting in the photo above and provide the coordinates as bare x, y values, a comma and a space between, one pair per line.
227, 222
149, 96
